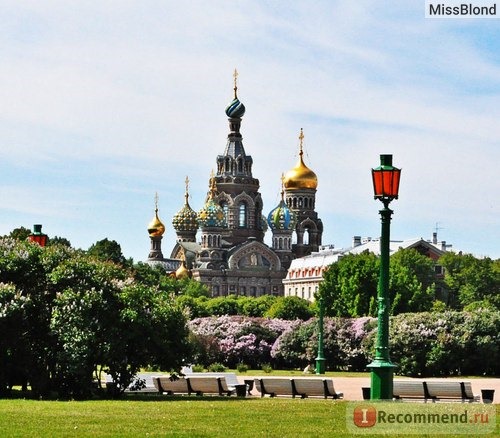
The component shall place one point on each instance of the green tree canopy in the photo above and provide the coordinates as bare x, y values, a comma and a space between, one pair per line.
64, 314
471, 280
20, 233
411, 282
107, 250
349, 286
290, 308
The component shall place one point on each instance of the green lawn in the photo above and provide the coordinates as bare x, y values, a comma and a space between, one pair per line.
176, 416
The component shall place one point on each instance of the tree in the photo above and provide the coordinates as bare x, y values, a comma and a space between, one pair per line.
412, 282
20, 233
471, 280
56, 240
109, 250
64, 314
349, 286
290, 308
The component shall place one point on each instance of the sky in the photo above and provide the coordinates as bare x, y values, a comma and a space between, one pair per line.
105, 103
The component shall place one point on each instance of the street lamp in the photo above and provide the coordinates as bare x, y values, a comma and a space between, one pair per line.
385, 187
320, 359
37, 235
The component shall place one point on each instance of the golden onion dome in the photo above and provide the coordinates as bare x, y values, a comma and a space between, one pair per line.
300, 177
182, 272
156, 227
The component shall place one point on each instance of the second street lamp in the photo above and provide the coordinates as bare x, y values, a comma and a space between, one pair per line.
320, 359
386, 188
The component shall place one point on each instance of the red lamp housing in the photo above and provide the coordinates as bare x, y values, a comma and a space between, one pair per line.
38, 236
386, 179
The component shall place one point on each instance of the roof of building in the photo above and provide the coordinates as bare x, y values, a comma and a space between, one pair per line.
329, 254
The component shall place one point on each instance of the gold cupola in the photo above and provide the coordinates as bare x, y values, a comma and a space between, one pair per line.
182, 271
156, 227
300, 177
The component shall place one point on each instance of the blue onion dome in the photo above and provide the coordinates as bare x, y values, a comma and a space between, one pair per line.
235, 109
212, 214
186, 219
282, 218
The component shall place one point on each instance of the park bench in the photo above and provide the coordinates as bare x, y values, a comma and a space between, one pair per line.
433, 391
199, 385
450, 391
303, 387
310, 387
409, 390
210, 385
232, 381
274, 386
171, 385
231, 378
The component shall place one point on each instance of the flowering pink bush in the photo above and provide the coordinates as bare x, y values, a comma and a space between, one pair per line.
421, 343
239, 339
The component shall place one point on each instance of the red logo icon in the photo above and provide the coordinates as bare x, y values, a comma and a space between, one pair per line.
365, 416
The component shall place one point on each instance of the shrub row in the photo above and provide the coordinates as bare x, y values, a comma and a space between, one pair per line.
422, 344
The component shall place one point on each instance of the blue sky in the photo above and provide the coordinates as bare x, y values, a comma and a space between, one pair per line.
104, 103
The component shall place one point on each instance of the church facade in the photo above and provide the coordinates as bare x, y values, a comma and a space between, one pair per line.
222, 244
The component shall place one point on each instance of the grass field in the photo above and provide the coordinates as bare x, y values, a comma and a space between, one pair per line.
154, 415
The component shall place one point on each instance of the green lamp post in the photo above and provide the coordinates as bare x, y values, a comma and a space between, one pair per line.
320, 359
386, 187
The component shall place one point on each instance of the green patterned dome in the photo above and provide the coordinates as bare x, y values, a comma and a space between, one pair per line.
212, 215
185, 219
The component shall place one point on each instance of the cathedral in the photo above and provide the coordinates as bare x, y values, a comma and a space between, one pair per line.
230, 256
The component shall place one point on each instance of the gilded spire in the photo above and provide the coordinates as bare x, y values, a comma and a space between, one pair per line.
235, 76
156, 202
213, 186
282, 186
186, 195
301, 138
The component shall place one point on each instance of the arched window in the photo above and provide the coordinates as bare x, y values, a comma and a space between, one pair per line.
242, 219
305, 241
225, 209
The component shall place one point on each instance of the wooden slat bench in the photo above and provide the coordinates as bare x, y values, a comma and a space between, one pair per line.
450, 391
231, 378
172, 386
310, 387
409, 390
198, 385
302, 387
434, 390
274, 386
210, 385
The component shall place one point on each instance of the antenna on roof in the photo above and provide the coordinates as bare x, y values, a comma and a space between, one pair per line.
435, 233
